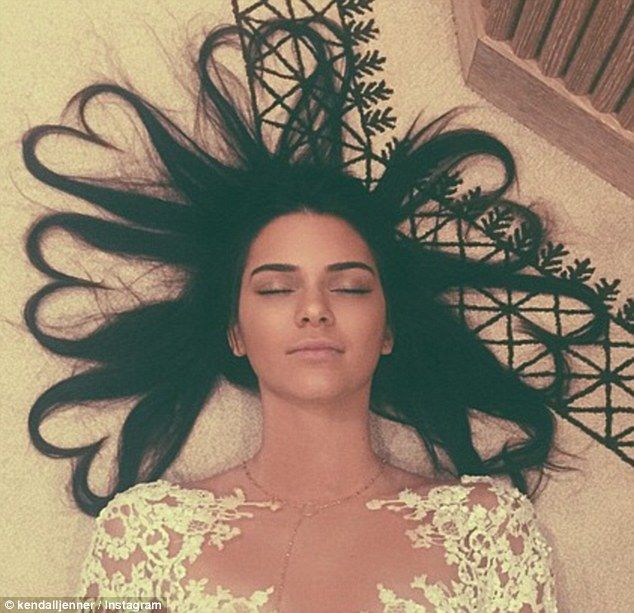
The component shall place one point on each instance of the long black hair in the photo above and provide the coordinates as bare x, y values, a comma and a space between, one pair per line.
199, 218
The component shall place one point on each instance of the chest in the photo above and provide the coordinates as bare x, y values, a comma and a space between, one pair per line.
331, 561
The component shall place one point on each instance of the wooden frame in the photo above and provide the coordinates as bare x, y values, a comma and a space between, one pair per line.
542, 103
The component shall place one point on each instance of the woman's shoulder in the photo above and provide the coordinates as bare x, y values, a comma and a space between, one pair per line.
173, 493
145, 502
220, 483
493, 495
483, 488
145, 493
498, 503
491, 490
176, 503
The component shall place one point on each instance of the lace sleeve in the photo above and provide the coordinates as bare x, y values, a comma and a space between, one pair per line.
117, 564
519, 575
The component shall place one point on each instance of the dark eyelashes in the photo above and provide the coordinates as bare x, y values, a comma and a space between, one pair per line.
286, 291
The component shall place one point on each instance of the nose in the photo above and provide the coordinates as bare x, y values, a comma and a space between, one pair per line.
313, 309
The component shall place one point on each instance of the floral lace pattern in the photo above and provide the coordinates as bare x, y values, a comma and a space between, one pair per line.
494, 574
502, 559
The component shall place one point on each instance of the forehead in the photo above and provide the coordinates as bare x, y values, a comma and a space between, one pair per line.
308, 240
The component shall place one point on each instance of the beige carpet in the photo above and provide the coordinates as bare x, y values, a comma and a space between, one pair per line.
52, 48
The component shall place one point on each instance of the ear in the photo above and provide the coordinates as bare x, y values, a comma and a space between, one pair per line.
388, 341
235, 340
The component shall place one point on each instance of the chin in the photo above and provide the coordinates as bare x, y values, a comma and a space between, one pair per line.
313, 391
316, 392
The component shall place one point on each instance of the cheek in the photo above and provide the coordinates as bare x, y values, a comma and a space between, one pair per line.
263, 323
375, 335
363, 327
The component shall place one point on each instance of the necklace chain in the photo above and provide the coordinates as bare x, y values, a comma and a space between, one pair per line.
307, 509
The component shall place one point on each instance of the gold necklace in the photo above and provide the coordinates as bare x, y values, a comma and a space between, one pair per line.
307, 509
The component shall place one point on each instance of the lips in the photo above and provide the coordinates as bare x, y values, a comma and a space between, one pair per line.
317, 345
318, 356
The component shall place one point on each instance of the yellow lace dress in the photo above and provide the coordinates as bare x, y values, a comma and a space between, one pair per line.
482, 531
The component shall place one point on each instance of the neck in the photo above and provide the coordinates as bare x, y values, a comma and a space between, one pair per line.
314, 450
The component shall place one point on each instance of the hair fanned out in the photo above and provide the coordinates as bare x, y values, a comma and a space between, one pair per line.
168, 355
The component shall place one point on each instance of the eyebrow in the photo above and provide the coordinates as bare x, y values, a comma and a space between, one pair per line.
330, 268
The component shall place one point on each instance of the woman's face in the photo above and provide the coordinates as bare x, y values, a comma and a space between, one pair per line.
311, 276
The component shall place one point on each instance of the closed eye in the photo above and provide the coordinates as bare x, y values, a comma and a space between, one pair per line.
287, 291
